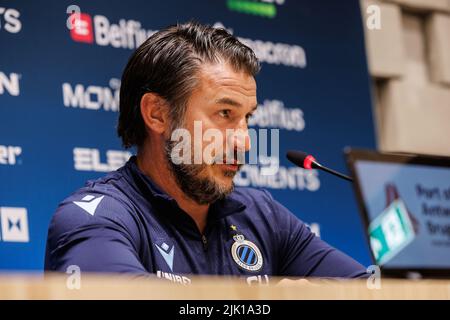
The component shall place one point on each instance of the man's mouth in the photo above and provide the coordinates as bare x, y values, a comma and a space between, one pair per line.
231, 167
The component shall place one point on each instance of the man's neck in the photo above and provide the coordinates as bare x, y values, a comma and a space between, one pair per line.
151, 161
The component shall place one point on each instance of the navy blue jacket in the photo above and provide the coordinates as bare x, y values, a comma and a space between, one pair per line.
123, 223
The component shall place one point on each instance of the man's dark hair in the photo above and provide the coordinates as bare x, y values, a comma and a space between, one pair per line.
167, 64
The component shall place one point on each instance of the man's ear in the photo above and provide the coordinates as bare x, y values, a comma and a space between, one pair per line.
154, 112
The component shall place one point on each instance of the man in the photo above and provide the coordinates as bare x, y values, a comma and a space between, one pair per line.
158, 216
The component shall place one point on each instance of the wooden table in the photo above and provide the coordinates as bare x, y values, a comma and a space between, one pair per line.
17, 286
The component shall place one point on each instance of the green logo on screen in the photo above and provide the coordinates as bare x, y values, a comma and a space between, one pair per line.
390, 232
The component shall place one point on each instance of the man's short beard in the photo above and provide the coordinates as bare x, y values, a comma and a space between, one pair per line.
202, 190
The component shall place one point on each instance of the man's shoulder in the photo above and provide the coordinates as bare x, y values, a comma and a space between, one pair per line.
259, 200
100, 201
247, 194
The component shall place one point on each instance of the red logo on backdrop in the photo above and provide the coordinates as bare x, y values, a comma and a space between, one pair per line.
82, 30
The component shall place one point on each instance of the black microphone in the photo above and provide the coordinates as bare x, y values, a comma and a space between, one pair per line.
307, 161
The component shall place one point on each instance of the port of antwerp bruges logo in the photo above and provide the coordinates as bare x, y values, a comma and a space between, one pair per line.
246, 254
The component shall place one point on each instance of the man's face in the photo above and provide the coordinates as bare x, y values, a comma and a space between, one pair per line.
224, 99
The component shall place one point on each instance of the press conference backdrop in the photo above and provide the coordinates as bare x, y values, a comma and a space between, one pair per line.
59, 91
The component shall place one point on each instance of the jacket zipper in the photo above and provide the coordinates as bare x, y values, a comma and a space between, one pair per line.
205, 242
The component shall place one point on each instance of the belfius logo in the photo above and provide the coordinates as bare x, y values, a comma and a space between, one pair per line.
99, 30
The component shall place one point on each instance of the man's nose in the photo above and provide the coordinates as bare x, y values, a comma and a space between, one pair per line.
242, 141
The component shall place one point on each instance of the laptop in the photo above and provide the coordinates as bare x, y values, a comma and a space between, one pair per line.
404, 201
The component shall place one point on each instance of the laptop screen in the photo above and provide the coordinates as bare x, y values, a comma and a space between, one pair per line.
407, 208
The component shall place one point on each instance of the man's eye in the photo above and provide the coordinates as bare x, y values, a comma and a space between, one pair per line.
225, 113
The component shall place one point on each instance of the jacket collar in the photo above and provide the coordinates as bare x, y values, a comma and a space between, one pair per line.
218, 210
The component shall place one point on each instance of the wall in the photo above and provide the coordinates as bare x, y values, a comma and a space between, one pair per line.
409, 61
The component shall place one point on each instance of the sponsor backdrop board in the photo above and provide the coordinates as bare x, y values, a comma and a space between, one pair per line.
59, 104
